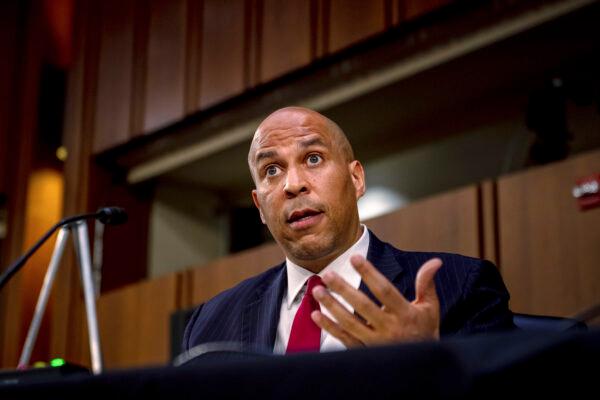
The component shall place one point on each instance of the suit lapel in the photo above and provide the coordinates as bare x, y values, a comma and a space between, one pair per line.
261, 316
260, 319
380, 254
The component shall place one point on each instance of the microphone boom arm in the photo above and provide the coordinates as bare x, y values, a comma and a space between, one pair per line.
106, 215
20, 262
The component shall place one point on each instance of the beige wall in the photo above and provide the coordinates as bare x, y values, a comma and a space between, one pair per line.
185, 229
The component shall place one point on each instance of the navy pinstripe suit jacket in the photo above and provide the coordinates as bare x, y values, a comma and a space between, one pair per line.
472, 297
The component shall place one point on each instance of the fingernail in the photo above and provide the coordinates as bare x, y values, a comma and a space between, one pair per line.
315, 316
356, 260
318, 292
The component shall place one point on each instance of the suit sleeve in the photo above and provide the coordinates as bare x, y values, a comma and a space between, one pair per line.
483, 306
185, 346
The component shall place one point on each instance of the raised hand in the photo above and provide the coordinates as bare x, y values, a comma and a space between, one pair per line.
397, 320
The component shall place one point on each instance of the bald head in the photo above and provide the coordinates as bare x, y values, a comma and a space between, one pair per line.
298, 118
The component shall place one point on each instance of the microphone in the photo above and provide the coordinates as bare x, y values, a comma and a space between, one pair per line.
112, 215
106, 215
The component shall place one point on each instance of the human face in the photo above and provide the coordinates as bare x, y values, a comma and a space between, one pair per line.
306, 189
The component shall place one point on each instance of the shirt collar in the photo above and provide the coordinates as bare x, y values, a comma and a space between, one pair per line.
297, 275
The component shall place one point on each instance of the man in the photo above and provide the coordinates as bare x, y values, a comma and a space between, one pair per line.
365, 292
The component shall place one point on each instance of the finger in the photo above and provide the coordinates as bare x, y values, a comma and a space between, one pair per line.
425, 284
347, 321
368, 310
379, 285
334, 329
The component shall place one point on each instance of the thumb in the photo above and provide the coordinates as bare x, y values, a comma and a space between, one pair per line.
424, 284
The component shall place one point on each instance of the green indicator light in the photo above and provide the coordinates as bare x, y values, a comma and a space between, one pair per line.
57, 362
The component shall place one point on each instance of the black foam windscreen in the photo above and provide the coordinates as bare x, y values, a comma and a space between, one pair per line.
112, 215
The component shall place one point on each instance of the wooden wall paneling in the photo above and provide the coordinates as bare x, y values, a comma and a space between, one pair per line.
22, 122
118, 321
135, 320
9, 13
354, 20
11, 44
488, 220
224, 50
410, 9
166, 63
9, 35
112, 122
286, 37
549, 250
396, 9
320, 10
390, 13
193, 55
213, 278
186, 292
252, 45
447, 222
159, 299
141, 28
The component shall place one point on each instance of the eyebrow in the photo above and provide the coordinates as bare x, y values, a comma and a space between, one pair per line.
264, 154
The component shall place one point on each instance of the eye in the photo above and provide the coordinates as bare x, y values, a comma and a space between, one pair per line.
272, 170
314, 159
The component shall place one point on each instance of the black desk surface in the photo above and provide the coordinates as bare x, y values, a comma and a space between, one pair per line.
500, 365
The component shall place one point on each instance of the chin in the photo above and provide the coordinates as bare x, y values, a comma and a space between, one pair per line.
311, 247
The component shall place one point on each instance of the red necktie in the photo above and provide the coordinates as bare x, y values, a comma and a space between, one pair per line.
305, 334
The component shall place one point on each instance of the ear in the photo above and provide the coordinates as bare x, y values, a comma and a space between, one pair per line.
358, 178
257, 204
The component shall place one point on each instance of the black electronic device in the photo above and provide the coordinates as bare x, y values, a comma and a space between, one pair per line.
42, 374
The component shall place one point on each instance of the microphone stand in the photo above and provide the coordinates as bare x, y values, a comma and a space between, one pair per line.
77, 224
82, 250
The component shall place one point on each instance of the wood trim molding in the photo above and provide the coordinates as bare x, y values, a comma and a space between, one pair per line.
139, 67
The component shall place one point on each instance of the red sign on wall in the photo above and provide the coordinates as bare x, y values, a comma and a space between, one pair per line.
587, 192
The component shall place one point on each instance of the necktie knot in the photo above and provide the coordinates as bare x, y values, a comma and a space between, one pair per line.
313, 282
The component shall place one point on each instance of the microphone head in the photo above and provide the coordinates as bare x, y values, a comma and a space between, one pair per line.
112, 215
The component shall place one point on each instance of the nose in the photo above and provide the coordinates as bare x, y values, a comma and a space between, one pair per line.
295, 183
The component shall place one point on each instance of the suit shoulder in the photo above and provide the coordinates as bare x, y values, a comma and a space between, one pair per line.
411, 261
459, 262
458, 271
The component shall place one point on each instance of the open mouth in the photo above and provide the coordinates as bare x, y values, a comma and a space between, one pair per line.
302, 215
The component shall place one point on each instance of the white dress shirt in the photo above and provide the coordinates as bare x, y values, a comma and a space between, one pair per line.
296, 286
